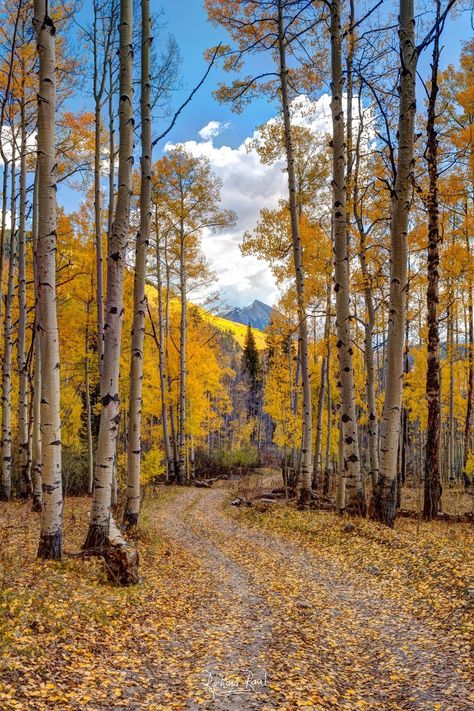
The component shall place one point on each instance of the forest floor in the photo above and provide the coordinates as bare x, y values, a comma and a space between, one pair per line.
239, 609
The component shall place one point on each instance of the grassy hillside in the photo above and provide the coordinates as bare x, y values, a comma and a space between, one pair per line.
237, 330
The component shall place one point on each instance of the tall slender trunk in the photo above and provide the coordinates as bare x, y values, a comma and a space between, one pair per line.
90, 445
139, 297
23, 427
36, 452
50, 545
162, 364
327, 463
98, 90
3, 106
3, 228
306, 445
355, 500
470, 378
8, 346
111, 204
432, 488
182, 361
101, 523
318, 460
385, 494
451, 424
368, 325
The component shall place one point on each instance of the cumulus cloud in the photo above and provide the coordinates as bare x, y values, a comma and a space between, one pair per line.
247, 186
212, 129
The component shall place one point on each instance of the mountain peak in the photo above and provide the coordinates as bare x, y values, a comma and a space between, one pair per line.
256, 315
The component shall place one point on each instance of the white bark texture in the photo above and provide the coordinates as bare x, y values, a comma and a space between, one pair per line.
385, 494
355, 500
23, 429
8, 351
139, 297
50, 545
36, 412
98, 532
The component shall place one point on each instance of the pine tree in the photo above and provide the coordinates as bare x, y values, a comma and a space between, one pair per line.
252, 372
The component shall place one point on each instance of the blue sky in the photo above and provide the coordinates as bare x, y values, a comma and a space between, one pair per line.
187, 21
246, 186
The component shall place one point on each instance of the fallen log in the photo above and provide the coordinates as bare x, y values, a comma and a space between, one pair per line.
449, 518
120, 558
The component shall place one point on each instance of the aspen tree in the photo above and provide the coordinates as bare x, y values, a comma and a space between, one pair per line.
383, 506
104, 17
8, 341
385, 493
162, 357
23, 430
432, 482
101, 523
50, 545
139, 297
36, 454
355, 500
307, 444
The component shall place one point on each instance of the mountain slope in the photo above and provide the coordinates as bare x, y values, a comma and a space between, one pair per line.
236, 329
257, 315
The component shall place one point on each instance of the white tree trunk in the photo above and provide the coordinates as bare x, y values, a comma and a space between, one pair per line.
182, 362
98, 534
23, 429
8, 349
36, 411
50, 545
162, 364
355, 500
139, 297
385, 494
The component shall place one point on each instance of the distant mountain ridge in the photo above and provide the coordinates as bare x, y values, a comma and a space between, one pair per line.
257, 315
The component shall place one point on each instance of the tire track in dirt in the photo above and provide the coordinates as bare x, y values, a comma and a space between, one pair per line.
326, 642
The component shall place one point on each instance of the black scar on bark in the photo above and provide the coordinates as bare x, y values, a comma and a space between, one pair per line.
107, 399
50, 546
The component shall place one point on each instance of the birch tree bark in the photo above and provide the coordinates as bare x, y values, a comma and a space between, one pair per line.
306, 446
100, 522
355, 500
139, 297
385, 495
50, 545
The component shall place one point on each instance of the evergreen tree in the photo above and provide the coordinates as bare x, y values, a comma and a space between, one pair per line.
252, 373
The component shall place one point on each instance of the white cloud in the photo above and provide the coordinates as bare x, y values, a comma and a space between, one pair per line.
212, 129
247, 187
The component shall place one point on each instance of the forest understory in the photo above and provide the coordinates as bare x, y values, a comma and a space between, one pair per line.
248, 608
